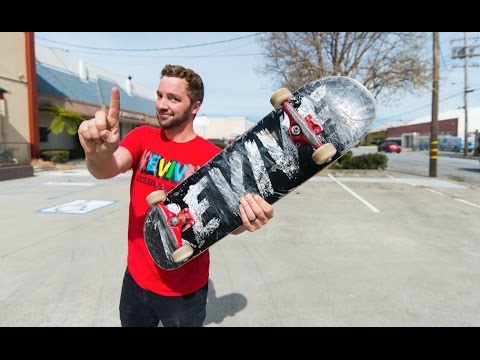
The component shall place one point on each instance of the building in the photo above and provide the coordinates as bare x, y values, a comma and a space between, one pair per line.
33, 76
75, 85
375, 137
417, 136
451, 124
473, 119
221, 130
18, 105
72, 83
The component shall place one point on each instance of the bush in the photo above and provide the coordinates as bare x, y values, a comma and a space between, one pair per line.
362, 162
77, 153
57, 156
345, 158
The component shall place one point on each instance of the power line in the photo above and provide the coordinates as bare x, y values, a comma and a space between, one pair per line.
420, 108
213, 55
153, 62
158, 49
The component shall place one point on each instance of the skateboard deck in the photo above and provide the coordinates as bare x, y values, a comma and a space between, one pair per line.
309, 129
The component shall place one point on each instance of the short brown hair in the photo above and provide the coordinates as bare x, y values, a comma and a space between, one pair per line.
195, 89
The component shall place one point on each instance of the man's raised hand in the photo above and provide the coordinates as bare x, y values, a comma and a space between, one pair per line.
101, 135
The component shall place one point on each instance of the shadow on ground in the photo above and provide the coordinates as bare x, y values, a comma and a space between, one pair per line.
474, 170
218, 308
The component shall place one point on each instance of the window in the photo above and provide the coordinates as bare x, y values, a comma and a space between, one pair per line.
44, 134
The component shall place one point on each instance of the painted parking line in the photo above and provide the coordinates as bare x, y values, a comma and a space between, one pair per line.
402, 181
438, 192
467, 202
358, 197
76, 173
454, 198
428, 183
432, 183
435, 192
67, 183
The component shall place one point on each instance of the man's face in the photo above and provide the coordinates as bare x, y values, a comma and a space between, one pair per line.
173, 105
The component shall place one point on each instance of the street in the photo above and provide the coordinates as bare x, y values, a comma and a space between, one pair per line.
418, 162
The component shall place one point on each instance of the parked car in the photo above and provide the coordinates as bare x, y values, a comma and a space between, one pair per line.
389, 146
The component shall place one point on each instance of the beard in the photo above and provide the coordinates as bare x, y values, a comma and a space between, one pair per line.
174, 121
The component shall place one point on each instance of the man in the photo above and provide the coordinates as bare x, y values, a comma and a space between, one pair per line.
150, 294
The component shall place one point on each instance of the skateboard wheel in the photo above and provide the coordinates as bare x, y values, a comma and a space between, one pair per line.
279, 97
324, 153
155, 197
182, 254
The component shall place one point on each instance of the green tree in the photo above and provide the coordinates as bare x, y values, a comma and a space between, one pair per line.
63, 120
385, 62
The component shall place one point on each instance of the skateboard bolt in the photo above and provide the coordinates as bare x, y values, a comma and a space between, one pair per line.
174, 221
296, 130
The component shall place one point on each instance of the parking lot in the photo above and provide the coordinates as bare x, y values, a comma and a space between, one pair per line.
359, 248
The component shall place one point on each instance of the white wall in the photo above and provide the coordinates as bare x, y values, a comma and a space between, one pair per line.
14, 118
221, 128
61, 141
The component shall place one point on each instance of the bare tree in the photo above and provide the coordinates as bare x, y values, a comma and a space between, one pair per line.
386, 63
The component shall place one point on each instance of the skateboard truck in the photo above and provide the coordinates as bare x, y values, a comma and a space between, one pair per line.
176, 222
303, 130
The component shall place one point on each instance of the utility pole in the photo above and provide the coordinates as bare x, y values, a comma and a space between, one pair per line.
434, 124
465, 143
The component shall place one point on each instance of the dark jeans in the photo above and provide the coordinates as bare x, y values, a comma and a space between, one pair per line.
139, 307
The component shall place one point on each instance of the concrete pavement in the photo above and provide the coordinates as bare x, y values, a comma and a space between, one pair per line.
344, 249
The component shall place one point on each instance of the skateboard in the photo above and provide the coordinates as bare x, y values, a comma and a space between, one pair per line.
307, 130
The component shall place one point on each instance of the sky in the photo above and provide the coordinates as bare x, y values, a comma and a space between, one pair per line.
229, 64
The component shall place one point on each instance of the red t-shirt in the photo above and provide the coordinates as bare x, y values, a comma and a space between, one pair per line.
160, 164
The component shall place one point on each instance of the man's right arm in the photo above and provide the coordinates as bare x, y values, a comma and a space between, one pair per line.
100, 138
106, 168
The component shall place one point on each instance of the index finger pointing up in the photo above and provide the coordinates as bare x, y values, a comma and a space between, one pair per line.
114, 110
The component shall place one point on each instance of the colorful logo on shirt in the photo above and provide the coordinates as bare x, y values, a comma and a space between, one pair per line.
162, 168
